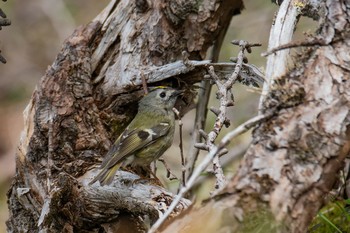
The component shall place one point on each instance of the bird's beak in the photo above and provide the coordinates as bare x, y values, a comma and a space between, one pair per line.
177, 92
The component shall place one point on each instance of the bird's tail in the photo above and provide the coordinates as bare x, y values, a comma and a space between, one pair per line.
106, 175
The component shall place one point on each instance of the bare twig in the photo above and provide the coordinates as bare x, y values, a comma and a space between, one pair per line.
225, 96
219, 122
203, 134
169, 173
244, 45
201, 146
207, 160
201, 115
183, 169
233, 154
219, 174
201, 109
295, 44
249, 75
244, 128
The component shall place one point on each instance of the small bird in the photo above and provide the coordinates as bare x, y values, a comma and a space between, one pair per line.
146, 138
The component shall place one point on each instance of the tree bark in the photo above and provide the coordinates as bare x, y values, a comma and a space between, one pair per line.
87, 97
295, 157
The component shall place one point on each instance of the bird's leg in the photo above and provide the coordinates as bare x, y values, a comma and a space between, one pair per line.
147, 171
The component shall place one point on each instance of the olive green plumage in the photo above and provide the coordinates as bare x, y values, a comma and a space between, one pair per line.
146, 138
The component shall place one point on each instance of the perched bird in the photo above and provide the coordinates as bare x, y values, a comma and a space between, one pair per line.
146, 138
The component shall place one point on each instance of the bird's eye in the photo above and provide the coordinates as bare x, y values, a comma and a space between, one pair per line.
162, 94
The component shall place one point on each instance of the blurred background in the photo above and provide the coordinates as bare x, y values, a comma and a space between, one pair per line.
39, 28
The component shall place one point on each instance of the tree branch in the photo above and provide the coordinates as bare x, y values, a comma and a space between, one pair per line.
281, 33
100, 204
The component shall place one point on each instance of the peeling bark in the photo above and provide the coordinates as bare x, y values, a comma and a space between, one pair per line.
86, 98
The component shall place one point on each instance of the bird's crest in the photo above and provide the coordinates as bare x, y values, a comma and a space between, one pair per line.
150, 89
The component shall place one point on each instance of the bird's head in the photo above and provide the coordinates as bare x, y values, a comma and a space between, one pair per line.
161, 97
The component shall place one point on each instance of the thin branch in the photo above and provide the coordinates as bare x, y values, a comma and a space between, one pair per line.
183, 169
219, 123
201, 109
233, 154
225, 96
244, 128
295, 44
169, 173
204, 164
249, 74
243, 46
220, 176
199, 123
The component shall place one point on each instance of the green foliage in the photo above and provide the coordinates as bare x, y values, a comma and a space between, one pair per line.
334, 217
261, 221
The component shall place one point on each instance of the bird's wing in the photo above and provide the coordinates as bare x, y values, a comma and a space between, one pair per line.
133, 140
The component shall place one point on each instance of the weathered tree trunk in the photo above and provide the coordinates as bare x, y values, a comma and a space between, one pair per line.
295, 156
87, 97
